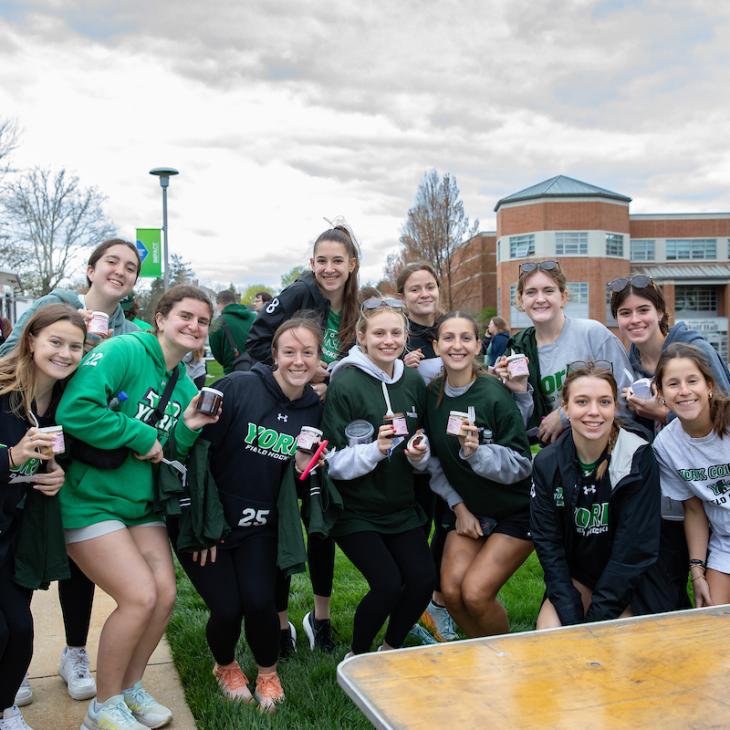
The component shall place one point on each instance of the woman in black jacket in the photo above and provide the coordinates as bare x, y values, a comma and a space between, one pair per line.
594, 512
31, 379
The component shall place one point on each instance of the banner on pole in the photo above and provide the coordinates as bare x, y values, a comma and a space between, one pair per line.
149, 246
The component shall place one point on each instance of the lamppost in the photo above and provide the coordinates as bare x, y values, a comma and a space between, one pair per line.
165, 173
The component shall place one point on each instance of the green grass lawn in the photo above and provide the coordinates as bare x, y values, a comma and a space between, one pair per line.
313, 697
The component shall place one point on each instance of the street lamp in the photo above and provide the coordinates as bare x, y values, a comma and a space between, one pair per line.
165, 173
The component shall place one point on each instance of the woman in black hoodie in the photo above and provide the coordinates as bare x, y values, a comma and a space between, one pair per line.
251, 447
329, 288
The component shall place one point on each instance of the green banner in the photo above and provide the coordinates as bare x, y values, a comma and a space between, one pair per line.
149, 246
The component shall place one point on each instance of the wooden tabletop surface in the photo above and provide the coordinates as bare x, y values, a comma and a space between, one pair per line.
669, 671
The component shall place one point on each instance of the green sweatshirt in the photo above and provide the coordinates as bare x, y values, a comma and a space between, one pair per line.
132, 363
382, 500
495, 410
238, 318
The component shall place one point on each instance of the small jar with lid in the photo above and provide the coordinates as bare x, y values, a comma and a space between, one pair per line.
309, 439
398, 422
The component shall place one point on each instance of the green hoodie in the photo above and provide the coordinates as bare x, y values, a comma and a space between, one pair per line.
238, 318
117, 322
134, 364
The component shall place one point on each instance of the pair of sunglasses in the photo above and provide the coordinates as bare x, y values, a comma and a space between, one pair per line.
638, 282
590, 365
393, 303
530, 266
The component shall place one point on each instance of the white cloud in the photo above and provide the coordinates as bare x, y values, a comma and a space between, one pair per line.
279, 113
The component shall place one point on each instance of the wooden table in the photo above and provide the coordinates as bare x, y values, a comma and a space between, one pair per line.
670, 670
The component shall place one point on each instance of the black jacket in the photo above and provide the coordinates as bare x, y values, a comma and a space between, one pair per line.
303, 294
634, 525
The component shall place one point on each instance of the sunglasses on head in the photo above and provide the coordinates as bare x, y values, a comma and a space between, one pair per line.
531, 266
591, 365
638, 282
393, 303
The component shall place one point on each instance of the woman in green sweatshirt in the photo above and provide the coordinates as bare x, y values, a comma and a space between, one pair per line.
111, 531
481, 468
381, 526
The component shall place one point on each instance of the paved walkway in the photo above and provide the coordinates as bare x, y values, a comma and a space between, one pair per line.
52, 708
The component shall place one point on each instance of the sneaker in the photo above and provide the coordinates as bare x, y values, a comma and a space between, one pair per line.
233, 682
24, 695
439, 622
74, 669
111, 715
145, 708
319, 633
288, 642
13, 720
421, 635
268, 691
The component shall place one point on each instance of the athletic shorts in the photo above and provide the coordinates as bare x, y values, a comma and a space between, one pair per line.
98, 529
515, 525
718, 555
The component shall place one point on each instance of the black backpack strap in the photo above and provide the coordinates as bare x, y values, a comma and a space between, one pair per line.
229, 337
164, 398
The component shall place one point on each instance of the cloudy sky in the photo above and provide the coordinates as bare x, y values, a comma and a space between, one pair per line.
280, 112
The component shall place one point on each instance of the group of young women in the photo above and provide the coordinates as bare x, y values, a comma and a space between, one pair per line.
423, 443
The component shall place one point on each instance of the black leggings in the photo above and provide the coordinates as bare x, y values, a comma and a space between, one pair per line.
239, 584
434, 508
400, 573
16, 634
76, 595
321, 559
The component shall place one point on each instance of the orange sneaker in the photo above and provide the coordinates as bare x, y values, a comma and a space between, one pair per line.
268, 691
233, 682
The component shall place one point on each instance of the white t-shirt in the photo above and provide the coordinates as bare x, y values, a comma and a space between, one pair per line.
696, 467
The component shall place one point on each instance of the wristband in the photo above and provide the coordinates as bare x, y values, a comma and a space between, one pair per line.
697, 562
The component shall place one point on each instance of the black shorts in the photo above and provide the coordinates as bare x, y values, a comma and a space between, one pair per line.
515, 525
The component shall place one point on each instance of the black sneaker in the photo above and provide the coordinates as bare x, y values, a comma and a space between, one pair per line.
287, 642
319, 633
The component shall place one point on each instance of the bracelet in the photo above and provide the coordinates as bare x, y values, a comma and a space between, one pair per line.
697, 562
13, 465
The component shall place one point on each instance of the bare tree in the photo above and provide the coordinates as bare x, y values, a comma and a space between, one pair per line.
435, 226
47, 218
8, 142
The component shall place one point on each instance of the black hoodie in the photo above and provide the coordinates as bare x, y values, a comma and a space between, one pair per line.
303, 294
251, 446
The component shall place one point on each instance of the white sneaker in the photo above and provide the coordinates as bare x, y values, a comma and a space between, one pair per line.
74, 669
24, 695
145, 708
112, 715
13, 720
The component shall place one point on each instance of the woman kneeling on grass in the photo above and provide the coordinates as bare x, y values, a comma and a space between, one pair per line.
694, 464
381, 527
32, 375
263, 412
112, 534
483, 475
595, 507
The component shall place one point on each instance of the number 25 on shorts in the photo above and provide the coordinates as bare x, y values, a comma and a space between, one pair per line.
251, 517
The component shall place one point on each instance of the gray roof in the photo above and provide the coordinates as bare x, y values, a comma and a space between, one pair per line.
562, 186
691, 272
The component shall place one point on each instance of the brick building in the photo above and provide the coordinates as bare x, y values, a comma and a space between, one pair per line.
596, 238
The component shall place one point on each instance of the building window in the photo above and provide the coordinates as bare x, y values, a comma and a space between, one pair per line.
610, 319
571, 243
695, 299
577, 304
643, 249
517, 318
691, 248
614, 244
522, 246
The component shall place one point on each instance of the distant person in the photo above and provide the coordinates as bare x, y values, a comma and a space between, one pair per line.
499, 337
196, 367
368, 292
260, 299
5, 329
229, 330
130, 307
